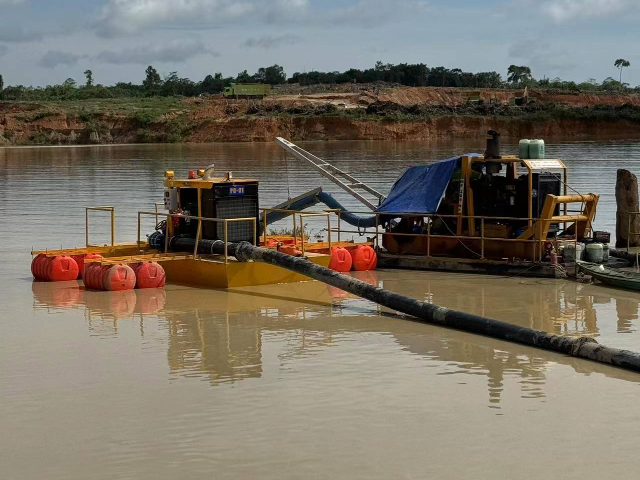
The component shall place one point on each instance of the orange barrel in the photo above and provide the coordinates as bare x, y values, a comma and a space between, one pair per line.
38, 267
149, 275
109, 277
80, 261
289, 250
364, 258
340, 260
62, 269
54, 269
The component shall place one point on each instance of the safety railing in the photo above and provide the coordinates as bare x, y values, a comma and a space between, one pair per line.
226, 222
469, 238
298, 215
106, 208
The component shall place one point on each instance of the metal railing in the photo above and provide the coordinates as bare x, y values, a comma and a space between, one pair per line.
226, 222
106, 208
297, 214
482, 238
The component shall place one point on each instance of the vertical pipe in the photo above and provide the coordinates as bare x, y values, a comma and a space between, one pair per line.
329, 229
530, 195
113, 226
301, 233
264, 226
166, 236
226, 240
429, 237
255, 232
295, 230
139, 228
86, 226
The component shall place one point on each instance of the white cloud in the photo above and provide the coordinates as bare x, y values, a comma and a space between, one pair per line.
11, 2
175, 52
567, 10
129, 16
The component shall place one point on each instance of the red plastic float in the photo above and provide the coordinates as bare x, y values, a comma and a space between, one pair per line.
80, 261
114, 278
54, 269
340, 260
364, 258
149, 275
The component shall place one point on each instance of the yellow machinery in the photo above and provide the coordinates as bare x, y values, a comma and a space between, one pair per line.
466, 234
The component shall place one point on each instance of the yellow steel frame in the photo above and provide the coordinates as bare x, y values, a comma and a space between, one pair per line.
106, 208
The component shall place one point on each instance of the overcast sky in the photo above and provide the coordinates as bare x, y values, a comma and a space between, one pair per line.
47, 41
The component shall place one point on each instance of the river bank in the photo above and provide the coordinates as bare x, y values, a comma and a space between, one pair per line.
400, 113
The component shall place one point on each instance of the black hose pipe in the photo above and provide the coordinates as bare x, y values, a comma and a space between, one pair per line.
581, 347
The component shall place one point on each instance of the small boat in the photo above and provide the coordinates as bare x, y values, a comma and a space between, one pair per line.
612, 276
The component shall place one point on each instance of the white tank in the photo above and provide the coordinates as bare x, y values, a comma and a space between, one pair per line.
536, 149
573, 252
524, 148
594, 253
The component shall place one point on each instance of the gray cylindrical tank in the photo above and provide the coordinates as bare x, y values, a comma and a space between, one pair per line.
605, 253
524, 148
594, 253
573, 251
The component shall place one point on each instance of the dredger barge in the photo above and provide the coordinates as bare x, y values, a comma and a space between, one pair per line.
473, 213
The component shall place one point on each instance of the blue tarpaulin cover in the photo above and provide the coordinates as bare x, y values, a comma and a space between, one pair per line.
420, 189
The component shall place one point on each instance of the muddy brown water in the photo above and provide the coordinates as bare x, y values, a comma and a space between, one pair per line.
294, 381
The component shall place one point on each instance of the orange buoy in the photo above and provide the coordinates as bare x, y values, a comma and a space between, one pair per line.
114, 278
38, 269
340, 260
80, 261
364, 258
289, 250
62, 269
54, 269
149, 275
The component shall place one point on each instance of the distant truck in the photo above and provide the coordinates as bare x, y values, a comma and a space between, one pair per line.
247, 90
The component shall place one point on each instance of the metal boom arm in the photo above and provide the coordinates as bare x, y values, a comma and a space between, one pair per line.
333, 173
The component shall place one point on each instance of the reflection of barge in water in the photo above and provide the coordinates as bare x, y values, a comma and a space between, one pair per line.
474, 213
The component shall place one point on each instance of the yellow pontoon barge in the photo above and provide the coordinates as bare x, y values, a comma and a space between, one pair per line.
201, 209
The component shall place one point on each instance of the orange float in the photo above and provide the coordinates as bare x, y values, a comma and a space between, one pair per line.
364, 258
80, 261
54, 269
114, 278
289, 250
149, 275
341, 260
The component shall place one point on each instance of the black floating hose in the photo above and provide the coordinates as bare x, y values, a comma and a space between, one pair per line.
581, 347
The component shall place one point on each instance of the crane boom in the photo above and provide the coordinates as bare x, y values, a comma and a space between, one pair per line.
345, 181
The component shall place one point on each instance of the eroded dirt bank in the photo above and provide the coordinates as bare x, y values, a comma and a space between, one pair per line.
375, 113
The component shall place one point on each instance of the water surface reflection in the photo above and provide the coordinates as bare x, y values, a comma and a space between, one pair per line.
220, 335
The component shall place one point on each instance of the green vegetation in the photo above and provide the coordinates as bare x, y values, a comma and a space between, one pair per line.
417, 75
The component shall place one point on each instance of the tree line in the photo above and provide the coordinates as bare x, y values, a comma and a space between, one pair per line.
413, 75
